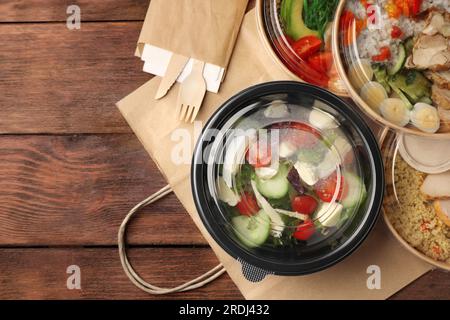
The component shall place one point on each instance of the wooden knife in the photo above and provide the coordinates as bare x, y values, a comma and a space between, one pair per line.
174, 69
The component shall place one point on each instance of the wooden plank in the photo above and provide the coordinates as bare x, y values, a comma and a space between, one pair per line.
41, 273
75, 190
55, 80
434, 285
91, 10
55, 10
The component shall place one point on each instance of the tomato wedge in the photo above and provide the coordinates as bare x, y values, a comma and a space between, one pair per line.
321, 61
326, 188
304, 204
307, 46
248, 205
292, 61
304, 231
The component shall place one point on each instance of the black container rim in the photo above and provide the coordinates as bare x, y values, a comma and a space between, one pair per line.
199, 190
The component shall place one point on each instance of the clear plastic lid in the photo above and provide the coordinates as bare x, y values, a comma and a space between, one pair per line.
416, 204
394, 57
301, 40
290, 178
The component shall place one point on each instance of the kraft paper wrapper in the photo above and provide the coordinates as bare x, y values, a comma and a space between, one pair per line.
154, 121
202, 29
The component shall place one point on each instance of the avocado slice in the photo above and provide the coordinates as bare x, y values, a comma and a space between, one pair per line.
285, 5
294, 24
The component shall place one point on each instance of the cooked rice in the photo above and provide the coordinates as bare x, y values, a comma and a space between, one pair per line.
415, 220
376, 36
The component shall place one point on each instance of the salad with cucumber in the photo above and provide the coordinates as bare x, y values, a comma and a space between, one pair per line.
290, 182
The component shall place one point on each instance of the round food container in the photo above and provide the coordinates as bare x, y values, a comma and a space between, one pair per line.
416, 207
287, 178
395, 62
302, 52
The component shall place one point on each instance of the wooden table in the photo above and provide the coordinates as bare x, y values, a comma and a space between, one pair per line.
70, 167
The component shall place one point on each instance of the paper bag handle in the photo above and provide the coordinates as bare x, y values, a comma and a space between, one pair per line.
204, 279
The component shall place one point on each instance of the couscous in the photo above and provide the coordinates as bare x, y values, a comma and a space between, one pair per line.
415, 218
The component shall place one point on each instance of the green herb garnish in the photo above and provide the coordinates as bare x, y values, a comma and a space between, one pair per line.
318, 13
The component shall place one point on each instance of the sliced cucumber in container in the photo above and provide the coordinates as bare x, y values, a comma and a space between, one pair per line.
356, 191
252, 231
276, 187
276, 222
399, 62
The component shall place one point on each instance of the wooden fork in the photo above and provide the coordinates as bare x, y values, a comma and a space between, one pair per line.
191, 94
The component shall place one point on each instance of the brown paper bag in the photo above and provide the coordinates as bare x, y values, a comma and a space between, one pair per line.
154, 121
202, 29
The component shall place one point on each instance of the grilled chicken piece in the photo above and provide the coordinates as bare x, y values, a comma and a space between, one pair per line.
430, 52
441, 97
436, 186
441, 79
437, 22
442, 208
432, 48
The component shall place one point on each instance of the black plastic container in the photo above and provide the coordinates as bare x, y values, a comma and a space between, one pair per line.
333, 243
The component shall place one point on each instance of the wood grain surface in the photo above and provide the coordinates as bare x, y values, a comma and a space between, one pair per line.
56, 80
70, 168
55, 10
75, 190
41, 273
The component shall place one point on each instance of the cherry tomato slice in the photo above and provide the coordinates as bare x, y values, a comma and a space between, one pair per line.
326, 188
307, 46
321, 62
248, 205
304, 231
304, 204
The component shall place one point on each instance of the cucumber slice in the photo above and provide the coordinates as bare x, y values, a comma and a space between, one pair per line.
409, 45
276, 222
398, 64
356, 191
276, 187
252, 231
